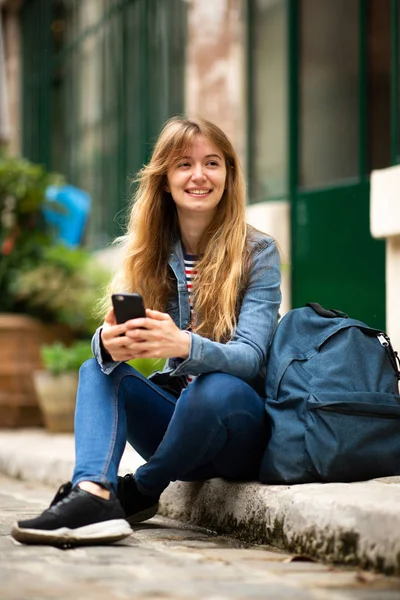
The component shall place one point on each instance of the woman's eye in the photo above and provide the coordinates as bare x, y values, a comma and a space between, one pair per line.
185, 164
213, 163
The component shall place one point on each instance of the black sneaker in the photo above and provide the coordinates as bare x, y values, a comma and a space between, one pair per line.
62, 493
138, 507
78, 518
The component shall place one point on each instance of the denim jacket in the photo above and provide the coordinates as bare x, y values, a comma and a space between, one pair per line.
245, 354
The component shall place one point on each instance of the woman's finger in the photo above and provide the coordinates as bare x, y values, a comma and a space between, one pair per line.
112, 331
138, 347
157, 315
142, 323
138, 335
152, 321
110, 317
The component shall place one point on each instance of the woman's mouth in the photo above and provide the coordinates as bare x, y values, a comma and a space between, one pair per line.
198, 192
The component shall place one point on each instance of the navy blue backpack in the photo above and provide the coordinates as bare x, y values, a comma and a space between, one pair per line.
332, 399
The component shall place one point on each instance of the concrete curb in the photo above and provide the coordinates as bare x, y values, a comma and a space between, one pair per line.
357, 523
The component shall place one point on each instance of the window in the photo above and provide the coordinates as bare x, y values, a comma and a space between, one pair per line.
328, 92
269, 157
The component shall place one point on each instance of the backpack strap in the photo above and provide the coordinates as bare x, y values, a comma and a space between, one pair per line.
384, 341
328, 313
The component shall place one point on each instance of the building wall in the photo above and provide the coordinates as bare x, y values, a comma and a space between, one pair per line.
12, 47
274, 218
216, 88
215, 73
385, 224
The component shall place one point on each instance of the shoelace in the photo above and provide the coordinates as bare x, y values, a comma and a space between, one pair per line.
65, 500
62, 493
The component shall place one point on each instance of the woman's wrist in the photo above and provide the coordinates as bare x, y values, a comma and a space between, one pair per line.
105, 355
184, 345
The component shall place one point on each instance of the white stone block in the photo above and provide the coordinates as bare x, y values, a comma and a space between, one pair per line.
385, 202
274, 218
393, 290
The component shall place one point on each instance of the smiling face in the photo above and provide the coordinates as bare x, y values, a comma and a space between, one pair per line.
197, 180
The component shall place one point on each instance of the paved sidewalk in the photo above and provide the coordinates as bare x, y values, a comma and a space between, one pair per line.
165, 559
357, 523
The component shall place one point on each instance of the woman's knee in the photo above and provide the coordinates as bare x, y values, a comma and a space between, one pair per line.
90, 373
221, 394
92, 367
88, 367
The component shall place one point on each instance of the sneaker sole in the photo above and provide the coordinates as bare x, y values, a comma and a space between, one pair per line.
143, 515
96, 533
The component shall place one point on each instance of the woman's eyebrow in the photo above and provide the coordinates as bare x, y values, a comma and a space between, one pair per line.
214, 156
207, 156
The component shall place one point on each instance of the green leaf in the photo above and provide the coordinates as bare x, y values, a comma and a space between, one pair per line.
58, 358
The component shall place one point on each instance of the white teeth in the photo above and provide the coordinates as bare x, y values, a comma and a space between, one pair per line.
199, 192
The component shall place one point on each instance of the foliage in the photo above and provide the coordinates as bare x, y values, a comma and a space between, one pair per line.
39, 277
58, 358
146, 366
23, 230
64, 287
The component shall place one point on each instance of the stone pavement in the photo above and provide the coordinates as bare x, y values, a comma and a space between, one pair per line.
165, 559
357, 523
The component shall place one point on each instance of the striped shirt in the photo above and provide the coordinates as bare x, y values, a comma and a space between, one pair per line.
190, 261
190, 273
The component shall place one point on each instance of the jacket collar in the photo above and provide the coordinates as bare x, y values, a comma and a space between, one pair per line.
176, 262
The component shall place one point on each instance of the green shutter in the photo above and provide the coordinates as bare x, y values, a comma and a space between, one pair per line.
99, 80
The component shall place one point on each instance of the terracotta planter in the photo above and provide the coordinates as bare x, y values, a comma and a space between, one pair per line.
20, 340
56, 397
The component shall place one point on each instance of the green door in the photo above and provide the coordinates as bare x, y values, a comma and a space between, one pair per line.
341, 128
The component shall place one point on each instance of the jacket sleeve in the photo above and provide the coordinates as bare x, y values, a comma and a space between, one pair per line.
245, 354
107, 364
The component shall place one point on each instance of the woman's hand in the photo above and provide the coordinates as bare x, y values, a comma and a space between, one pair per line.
113, 338
155, 336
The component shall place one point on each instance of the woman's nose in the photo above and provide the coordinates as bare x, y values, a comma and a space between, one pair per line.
198, 172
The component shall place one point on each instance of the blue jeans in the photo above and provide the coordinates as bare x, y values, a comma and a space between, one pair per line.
216, 428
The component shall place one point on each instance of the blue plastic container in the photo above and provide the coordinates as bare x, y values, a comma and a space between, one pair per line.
69, 214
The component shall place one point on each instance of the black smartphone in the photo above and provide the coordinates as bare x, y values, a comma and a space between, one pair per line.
127, 306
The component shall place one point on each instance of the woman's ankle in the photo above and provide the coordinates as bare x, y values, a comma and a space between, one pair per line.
95, 488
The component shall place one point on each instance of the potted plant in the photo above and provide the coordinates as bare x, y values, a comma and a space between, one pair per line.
47, 290
63, 288
23, 235
56, 384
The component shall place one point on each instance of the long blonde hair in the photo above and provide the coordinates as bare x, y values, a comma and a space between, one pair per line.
152, 230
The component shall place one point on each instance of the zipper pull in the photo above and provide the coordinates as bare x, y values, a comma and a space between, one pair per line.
382, 339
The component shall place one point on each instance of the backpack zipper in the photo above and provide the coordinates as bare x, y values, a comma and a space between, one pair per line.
356, 413
384, 341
